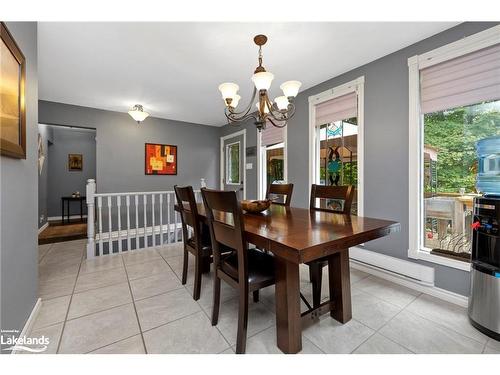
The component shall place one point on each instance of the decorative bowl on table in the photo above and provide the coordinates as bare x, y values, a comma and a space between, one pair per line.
255, 206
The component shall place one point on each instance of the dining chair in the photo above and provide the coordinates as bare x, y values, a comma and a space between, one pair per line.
247, 270
336, 199
197, 243
284, 190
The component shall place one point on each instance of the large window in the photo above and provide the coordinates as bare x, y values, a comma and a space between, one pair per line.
454, 102
336, 140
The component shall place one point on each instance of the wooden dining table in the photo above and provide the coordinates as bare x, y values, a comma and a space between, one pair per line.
297, 235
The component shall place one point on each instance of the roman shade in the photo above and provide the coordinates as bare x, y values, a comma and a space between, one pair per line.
465, 80
340, 108
272, 135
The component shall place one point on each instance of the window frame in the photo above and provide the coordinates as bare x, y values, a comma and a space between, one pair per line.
356, 86
228, 157
416, 63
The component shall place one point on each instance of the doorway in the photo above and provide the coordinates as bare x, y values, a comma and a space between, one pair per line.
66, 160
272, 165
233, 162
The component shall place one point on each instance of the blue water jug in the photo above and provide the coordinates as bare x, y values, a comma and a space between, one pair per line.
488, 174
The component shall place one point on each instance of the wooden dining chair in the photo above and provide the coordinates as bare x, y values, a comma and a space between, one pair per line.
247, 270
197, 243
282, 190
336, 199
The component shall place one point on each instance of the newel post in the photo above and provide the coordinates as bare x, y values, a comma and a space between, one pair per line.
90, 219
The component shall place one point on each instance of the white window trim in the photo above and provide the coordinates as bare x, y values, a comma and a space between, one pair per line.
356, 86
222, 172
416, 63
261, 189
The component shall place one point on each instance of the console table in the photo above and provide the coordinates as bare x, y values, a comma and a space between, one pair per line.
67, 200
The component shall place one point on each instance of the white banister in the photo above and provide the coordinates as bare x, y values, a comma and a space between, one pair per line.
119, 232
90, 218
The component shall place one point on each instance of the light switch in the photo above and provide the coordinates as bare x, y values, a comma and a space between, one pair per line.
249, 165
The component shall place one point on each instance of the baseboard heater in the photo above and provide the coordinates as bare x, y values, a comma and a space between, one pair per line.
395, 266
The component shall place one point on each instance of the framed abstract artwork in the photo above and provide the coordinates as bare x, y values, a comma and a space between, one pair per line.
12, 97
160, 159
75, 162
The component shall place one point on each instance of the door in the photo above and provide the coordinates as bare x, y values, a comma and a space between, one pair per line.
233, 165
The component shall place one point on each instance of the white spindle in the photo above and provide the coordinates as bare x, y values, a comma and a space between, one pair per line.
161, 219
110, 242
145, 222
136, 221
99, 208
127, 202
153, 240
118, 205
90, 218
168, 218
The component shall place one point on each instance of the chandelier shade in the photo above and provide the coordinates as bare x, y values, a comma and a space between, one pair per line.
276, 113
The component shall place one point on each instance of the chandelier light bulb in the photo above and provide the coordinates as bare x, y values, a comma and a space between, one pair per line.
235, 101
281, 102
291, 88
262, 80
228, 90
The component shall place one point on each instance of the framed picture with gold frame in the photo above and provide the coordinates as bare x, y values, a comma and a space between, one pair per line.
75, 162
12, 97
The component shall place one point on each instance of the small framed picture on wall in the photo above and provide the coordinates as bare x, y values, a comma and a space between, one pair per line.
75, 162
160, 159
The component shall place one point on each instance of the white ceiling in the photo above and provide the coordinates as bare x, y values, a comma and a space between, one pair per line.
174, 69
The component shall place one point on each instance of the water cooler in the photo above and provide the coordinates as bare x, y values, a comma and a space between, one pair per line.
484, 299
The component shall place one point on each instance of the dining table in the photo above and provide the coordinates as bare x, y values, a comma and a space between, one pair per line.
298, 235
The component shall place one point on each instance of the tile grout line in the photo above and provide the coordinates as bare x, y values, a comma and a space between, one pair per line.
69, 305
114, 342
135, 307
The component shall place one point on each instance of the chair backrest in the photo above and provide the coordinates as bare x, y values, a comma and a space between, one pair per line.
225, 220
280, 189
343, 193
186, 202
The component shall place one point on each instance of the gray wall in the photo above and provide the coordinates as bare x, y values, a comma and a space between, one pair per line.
18, 202
120, 147
386, 145
61, 181
46, 134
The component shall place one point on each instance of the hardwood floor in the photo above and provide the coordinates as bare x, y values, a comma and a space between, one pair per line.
56, 232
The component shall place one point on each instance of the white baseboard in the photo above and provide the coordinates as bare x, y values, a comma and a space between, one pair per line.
30, 321
399, 278
58, 218
43, 227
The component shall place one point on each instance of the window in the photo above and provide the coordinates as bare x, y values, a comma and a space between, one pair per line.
336, 140
454, 102
271, 144
233, 163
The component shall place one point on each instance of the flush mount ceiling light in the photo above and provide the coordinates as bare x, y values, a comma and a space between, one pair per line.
277, 113
138, 114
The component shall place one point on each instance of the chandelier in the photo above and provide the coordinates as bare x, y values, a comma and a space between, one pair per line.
277, 112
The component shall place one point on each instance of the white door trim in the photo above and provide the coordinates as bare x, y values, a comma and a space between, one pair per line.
222, 164
357, 86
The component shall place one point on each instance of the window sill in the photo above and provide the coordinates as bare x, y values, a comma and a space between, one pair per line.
436, 259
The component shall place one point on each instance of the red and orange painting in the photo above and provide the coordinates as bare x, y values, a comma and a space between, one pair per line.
160, 159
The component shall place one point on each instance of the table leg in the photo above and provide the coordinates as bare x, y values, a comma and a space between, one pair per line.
62, 211
81, 210
288, 319
68, 211
340, 286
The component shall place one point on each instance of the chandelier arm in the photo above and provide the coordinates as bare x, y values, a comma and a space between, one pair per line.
275, 124
248, 108
239, 119
283, 115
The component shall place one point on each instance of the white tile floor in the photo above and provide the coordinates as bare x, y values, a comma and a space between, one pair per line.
135, 303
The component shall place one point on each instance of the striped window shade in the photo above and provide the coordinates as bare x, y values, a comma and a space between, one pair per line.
340, 108
465, 80
272, 135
